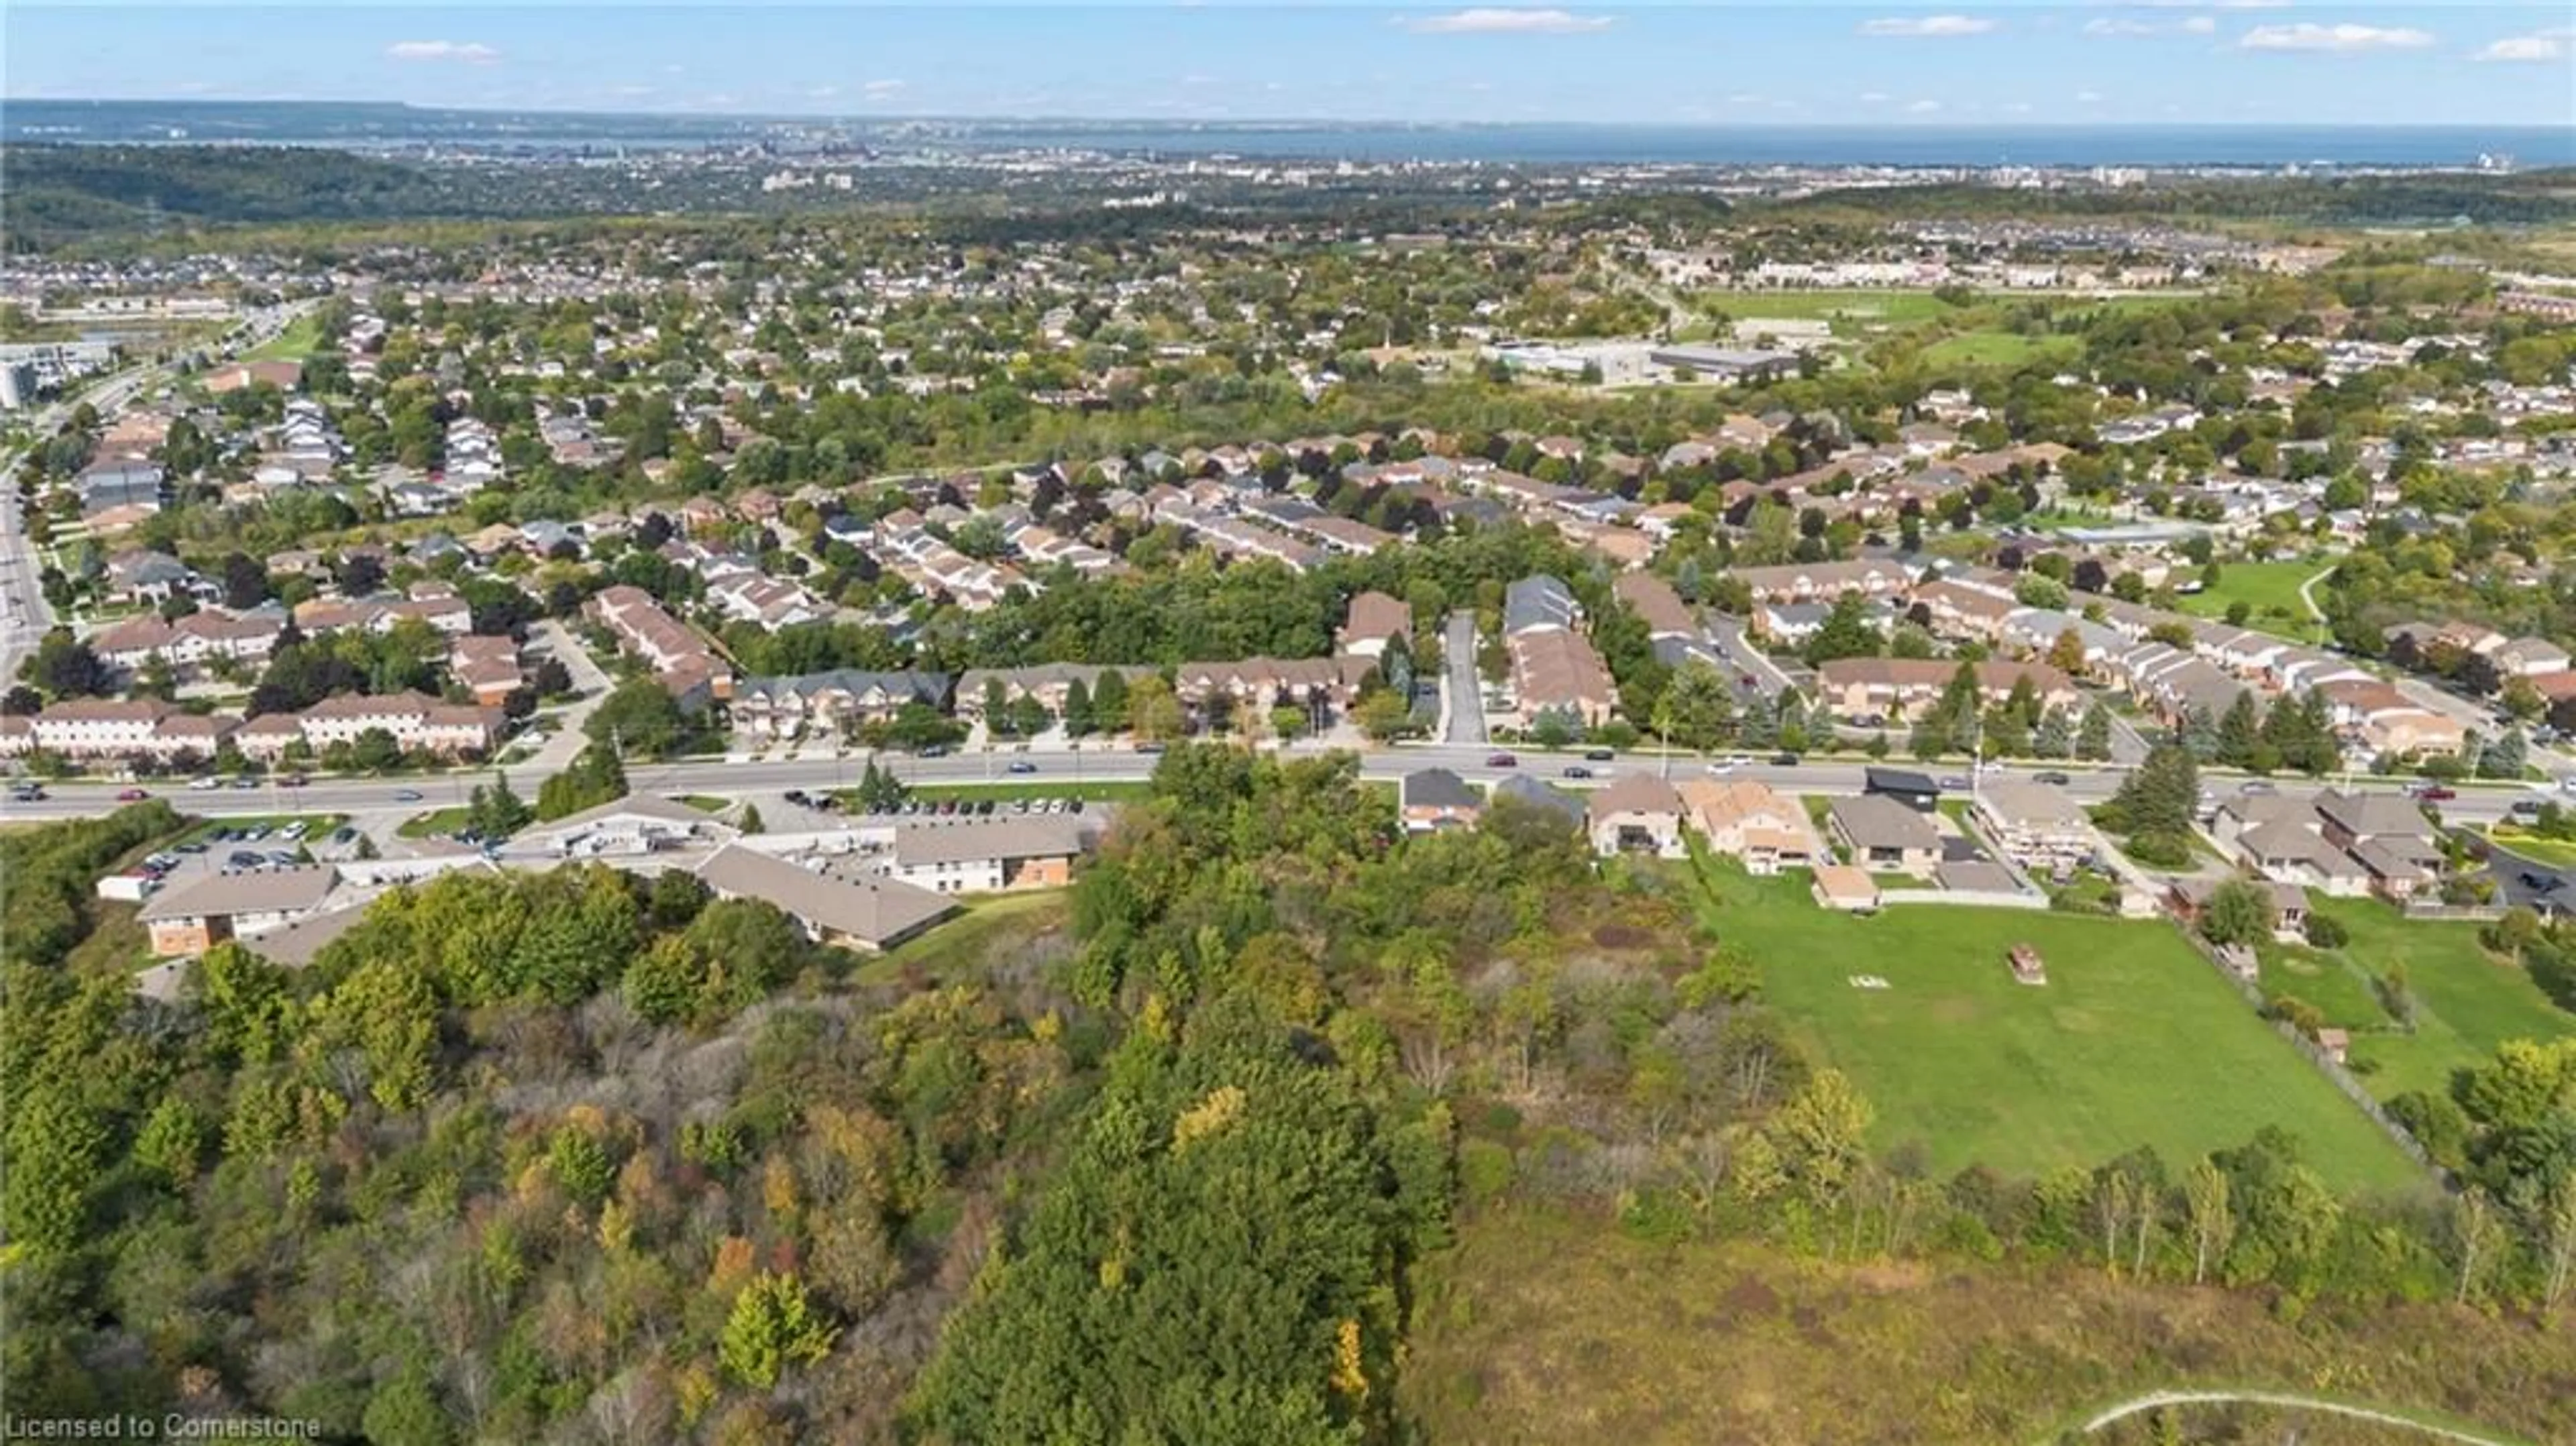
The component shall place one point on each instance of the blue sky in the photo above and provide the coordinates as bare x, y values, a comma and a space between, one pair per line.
1951, 63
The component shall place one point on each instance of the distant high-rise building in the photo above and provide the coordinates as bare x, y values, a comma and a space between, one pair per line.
17, 385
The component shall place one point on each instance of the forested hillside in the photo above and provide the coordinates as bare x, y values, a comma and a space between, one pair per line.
580, 1157
60, 194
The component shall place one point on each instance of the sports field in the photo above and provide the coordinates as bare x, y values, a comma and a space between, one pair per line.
2134, 1040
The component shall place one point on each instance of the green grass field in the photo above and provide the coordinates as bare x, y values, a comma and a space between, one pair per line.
2133, 1041
435, 823
2269, 590
1858, 308
1999, 349
991, 925
2468, 1002
2556, 853
302, 338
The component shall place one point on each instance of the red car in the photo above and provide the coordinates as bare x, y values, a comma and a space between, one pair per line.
292, 780
132, 795
2435, 793
1502, 760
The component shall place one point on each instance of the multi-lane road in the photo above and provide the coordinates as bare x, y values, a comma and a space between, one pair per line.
721, 777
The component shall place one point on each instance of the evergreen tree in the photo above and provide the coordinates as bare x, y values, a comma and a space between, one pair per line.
2200, 733
1846, 633
2238, 732
1077, 709
2505, 757
1109, 702
2093, 740
2055, 737
2159, 799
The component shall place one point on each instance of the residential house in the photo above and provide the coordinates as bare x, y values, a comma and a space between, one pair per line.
2289, 905
832, 701
1639, 813
2387, 834
866, 912
1897, 688
1373, 619
1885, 836
1435, 798
1826, 581
2034, 824
2528, 657
987, 855
196, 916
1743, 819
684, 662
487, 667
106, 729
1557, 673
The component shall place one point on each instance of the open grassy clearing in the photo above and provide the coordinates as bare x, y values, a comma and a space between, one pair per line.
302, 338
1984, 348
704, 802
2133, 1041
436, 823
2269, 590
2468, 1001
1024, 927
2556, 853
1546, 1326
1860, 308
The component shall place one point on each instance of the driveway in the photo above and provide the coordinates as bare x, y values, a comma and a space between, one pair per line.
1464, 703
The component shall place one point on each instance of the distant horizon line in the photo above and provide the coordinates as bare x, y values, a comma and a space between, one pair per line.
1324, 122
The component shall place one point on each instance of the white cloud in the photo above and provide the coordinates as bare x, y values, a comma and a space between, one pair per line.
882, 87
1873, 97
1487, 20
2018, 107
1928, 25
470, 52
1923, 107
2088, 97
2128, 27
2545, 46
823, 92
2340, 39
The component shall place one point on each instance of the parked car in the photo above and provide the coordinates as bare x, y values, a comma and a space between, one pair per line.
1599, 755
2052, 777
242, 859
254, 833
983, 805
1022, 765
1577, 770
2525, 808
281, 858
295, 830
797, 796
132, 795
1501, 760
192, 846
343, 834
2535, 880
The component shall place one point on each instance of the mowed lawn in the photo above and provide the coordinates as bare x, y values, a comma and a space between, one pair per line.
1862, 307
2467, 1000
301, 338
1999, 348
2269, 590
2133, 1041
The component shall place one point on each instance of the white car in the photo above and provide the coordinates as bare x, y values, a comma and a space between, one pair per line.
202, 784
